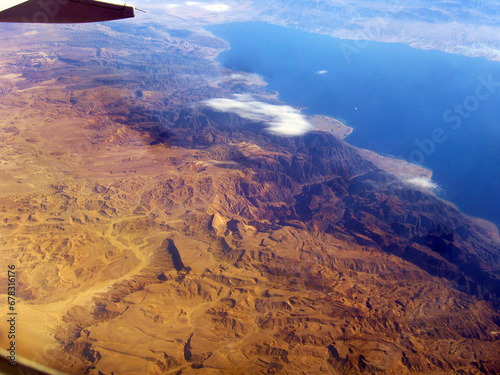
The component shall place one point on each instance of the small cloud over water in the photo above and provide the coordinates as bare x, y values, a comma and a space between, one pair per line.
281, 119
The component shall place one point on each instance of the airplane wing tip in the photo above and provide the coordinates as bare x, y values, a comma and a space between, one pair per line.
64, 11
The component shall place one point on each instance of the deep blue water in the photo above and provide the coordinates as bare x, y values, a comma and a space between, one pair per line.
435, 109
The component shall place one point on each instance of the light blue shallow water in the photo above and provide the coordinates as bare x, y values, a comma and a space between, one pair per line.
432, 108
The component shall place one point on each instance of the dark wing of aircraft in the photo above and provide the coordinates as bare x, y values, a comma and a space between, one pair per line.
63, 11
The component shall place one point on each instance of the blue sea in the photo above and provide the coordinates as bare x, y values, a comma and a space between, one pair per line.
435, 109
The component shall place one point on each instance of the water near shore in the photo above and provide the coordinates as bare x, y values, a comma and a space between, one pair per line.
439, 110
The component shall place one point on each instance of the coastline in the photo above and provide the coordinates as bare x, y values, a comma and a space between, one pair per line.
400, 168
397, 167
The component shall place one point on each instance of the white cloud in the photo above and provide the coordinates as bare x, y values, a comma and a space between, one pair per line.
206, 6
216, 7
237, 76
422, 182
281, 119
321, 72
